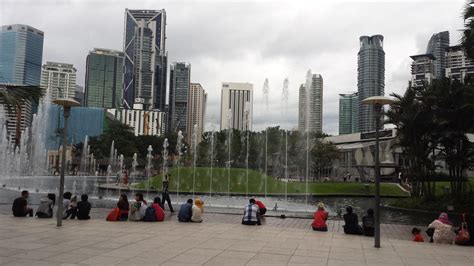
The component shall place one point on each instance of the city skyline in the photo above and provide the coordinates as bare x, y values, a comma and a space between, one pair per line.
259, 57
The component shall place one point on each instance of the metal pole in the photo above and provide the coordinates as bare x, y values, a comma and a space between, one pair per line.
59, 215
377, 108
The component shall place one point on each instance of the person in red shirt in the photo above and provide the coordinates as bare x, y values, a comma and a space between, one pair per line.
417, 237
261, 207
320, 218
159, 212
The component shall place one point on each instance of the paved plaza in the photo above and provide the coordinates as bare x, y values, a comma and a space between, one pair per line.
220, 240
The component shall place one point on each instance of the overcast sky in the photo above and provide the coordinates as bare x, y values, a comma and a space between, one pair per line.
244, 41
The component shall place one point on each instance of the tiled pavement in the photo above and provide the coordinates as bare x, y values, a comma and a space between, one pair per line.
220, 240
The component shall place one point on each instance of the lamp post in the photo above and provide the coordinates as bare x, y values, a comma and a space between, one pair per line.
377, 102
66, 104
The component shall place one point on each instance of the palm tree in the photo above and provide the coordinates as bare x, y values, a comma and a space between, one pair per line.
467, 41
13, 96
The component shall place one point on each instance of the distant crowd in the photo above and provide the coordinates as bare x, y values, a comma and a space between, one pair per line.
441, 230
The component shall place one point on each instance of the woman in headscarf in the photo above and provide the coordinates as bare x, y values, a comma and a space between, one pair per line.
443, 230
197, 210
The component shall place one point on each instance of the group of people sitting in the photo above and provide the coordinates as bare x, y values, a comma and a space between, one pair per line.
71, 207
351, 221
140, 210
253, 212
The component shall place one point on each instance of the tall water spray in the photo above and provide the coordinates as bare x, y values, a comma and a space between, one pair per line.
134, 172
194, 147
285, 117
247, 131
179, 148
84, 157
229, 143
149, 156
309, 81
265, 96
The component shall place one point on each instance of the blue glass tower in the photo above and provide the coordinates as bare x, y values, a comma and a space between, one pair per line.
21, 53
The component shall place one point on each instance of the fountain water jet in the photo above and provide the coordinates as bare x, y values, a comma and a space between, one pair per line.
148, 167
285, 103
179, 147
265, 95
194, 147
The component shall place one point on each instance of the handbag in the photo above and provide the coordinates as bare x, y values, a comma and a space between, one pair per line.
114, 215
463, 235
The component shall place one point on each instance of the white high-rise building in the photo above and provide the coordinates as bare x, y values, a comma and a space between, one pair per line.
310, 114
144, 122
197, 100
59, 79
236, 106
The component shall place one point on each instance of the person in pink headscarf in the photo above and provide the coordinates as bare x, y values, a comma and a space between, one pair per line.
443, 230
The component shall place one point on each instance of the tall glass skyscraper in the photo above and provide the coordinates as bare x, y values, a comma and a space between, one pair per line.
370, 78
180, 82
310, 111
348, 113
145, 64
438, 47
21, 53
104, 79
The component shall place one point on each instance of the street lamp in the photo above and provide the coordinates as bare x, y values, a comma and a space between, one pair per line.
377, 102
66, 104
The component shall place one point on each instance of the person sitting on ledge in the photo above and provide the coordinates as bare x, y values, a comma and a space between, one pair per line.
185, 211
261, 207
159, 212
124, 207
198, 209
45, 209
251, 214
83, 208
20, 205
368, 223
417, 237
320, 218
443, 230
351, 222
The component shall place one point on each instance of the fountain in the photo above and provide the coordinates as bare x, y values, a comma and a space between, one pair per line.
285, 117
212, 162
134, 172
265, 96
309, 81
229, 142
194, 150
179, 147
148, 167
84, 156
247, 131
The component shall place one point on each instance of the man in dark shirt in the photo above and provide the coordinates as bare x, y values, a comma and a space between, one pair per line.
351, 222
83, 208
166, 194
20, 208
185, 212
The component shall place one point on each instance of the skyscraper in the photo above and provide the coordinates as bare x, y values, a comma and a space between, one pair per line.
458, 66
422, 69
180, 81
104, 79
145, 65
21, 54
236, 106
311, 104
59, 79
370, 78
302, 109
348, 113
438, 47
197, 100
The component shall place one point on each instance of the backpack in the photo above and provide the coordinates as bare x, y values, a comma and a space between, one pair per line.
150, 215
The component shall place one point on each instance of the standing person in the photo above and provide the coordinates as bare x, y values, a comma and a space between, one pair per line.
166, 194
124, 207
45, 209
159, 212
197, 211
20, 205
320, 218
443, 230
368, 223
351, 222
261, 207
83, 208
251, 214
185, 211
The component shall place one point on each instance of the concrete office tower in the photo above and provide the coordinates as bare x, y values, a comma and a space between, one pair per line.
145, 65
197, 100
311, 104
438, 47
104, 79
59, 79
21, 55
143, 122
302, 109
348, 113
370, 78
180, 81
236, 106
422, 69
458, 65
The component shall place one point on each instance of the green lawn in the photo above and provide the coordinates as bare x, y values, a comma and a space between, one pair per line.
256, 184
440, 186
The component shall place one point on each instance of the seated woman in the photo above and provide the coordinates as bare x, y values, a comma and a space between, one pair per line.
368, 223
351, 222
159, 212
320, 218
45, 209
197, 210
124, 207
83, 208
443, 230
138, 209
